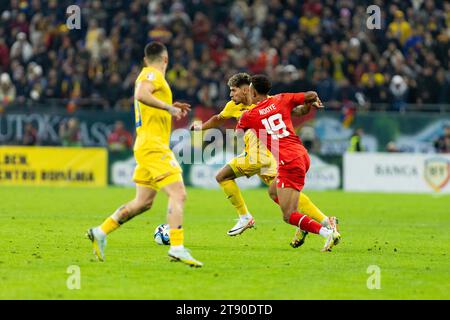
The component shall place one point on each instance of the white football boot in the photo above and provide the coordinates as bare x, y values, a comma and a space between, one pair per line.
333, 238
241, 226
98, 244
334, 224
183, 255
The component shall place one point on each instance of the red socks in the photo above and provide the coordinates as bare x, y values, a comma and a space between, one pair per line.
304, 222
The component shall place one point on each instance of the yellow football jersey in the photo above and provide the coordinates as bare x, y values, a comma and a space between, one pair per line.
153, 125
233, 110
251, 141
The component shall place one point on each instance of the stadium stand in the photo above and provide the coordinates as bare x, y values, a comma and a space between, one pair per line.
321, 45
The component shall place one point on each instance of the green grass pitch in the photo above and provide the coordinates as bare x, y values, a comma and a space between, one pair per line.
42, 234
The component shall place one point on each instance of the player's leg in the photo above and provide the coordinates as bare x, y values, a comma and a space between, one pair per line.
305, 204
299, 235
226, 179
141, 203
288, 201
176, 193
309, 208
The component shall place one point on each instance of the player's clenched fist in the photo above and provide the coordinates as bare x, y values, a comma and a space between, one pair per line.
312, 98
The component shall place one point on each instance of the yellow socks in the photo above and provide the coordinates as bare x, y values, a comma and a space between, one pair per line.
176, 237
109, 225
120, 216
233, 193
307, 207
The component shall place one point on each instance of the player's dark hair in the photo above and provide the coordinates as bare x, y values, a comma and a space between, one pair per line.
154, 50
239, 79
261, 83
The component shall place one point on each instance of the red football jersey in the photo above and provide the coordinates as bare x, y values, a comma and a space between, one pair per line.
271, 121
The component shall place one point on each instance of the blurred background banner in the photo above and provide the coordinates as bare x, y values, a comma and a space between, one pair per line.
321, 176
53, 166
325, 134
91, 128
412, 132
387, 172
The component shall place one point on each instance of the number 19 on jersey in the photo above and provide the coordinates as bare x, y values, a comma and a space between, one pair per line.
275, 126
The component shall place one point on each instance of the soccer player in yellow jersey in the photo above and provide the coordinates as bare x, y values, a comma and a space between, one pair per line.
255, 159
157, 167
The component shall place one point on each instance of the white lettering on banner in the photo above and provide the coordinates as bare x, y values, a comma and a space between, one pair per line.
396, 172
47, 125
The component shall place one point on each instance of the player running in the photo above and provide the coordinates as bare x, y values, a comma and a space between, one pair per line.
157, 167
271, 121
255, 159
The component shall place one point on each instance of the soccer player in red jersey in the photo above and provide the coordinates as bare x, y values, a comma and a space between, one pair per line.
271, 121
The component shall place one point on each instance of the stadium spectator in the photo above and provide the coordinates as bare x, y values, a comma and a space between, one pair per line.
52, 89
398, 88
116, 89
399, 29
120, 139
4, 55
69, 133
443, 83
7, 90
355, 141
392, 147
21, 49
30, 136
442, 144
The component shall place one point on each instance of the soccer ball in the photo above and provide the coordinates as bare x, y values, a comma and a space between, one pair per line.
161, 234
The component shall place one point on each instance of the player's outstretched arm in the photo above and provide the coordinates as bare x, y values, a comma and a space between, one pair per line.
214, 122
144, 94
311, 99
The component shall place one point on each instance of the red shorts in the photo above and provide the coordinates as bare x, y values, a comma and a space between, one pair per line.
292, 174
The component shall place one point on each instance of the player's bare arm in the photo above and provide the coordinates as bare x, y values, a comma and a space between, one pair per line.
144, 94
214, 122
311, 100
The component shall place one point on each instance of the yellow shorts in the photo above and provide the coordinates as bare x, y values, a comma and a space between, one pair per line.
246, 165
156, 169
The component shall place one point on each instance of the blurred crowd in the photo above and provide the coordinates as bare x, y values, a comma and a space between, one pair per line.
321, 45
